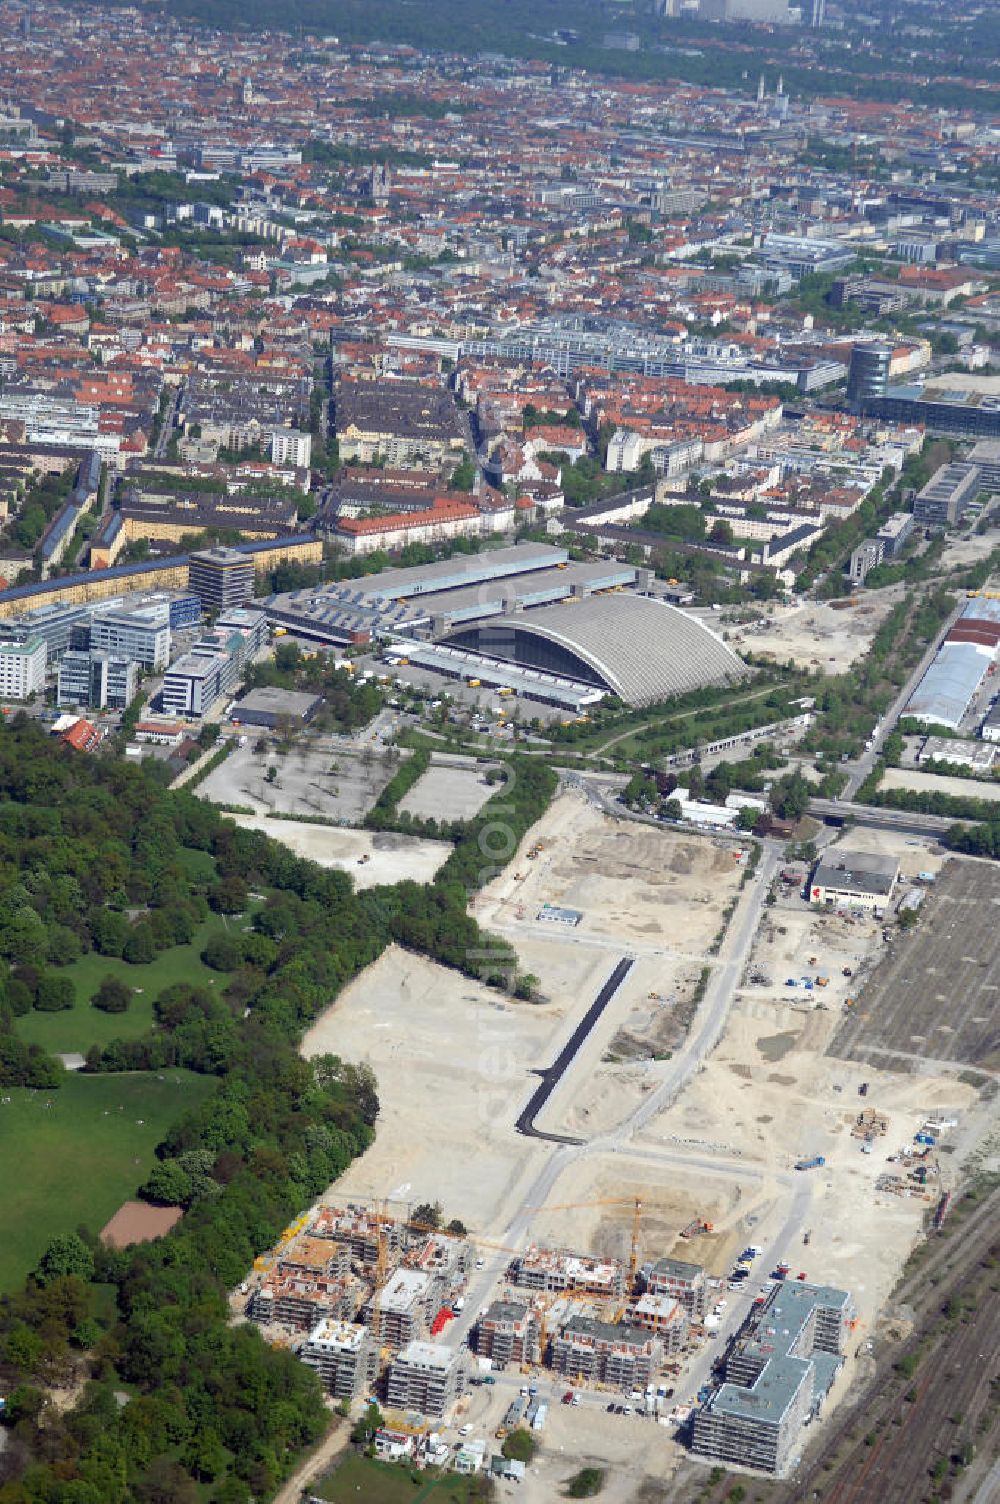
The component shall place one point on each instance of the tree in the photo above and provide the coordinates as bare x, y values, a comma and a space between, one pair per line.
365, 1427
586, 1483
140, 947
65, 1256
112, 996
55, 994
230, 896
224, 952
790, 796
520, 1446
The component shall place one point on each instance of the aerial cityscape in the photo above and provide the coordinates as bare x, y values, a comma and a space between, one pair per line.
499, 752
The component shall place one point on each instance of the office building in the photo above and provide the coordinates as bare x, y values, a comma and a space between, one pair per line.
53, 623
138, 632
221, 578
193, 684
894, 532
866, 557
946, 495
22, 668
868, 374
97, 680
427, 1378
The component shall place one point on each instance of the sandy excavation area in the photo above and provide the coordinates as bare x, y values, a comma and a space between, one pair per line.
769, 1096
642, 888
453, 1061
370, 858
814, 634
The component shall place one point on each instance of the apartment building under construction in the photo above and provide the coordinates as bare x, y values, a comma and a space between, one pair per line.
600, 1352
553, 1272
344, 1355
509, 1332
425, 1377
683, 1281
403, 1311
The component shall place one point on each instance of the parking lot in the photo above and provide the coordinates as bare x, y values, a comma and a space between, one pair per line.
935, 997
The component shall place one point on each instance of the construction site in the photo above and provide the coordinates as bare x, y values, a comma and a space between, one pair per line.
374, 1302
830, 636
832, 1161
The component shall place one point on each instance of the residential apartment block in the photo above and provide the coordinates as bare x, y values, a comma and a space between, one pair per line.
427, 1378
777, 1376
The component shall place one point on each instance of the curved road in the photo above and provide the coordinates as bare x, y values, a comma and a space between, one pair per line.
550, 1078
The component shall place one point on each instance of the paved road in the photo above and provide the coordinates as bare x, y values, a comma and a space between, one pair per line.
167, 426
906, 822
564, 1060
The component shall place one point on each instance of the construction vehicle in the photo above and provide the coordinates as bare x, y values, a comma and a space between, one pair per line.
695, 1228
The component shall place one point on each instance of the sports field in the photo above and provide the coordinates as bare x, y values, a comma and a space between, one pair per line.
77, 1028
73, 1155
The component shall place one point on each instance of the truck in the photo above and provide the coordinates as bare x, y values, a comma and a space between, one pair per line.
813, 1163
924, 1138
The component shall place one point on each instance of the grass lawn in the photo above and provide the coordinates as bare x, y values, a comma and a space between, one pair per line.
80, 1027
386, 1483
73, 1155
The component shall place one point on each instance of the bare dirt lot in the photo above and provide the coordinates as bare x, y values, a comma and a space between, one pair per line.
643, 887
317, 777
815, 635
453, 1061
935, 998
448, 793
371, 858
138, 1222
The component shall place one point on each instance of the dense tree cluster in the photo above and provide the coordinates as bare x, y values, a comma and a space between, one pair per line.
213, 1414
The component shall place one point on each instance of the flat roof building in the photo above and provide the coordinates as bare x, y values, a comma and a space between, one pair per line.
854, 880
946, 495
625, 1357
682, 1281
778, 1374
425, 1377
221, 577
22, 668
344, 1355
508, 1332
270, 707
